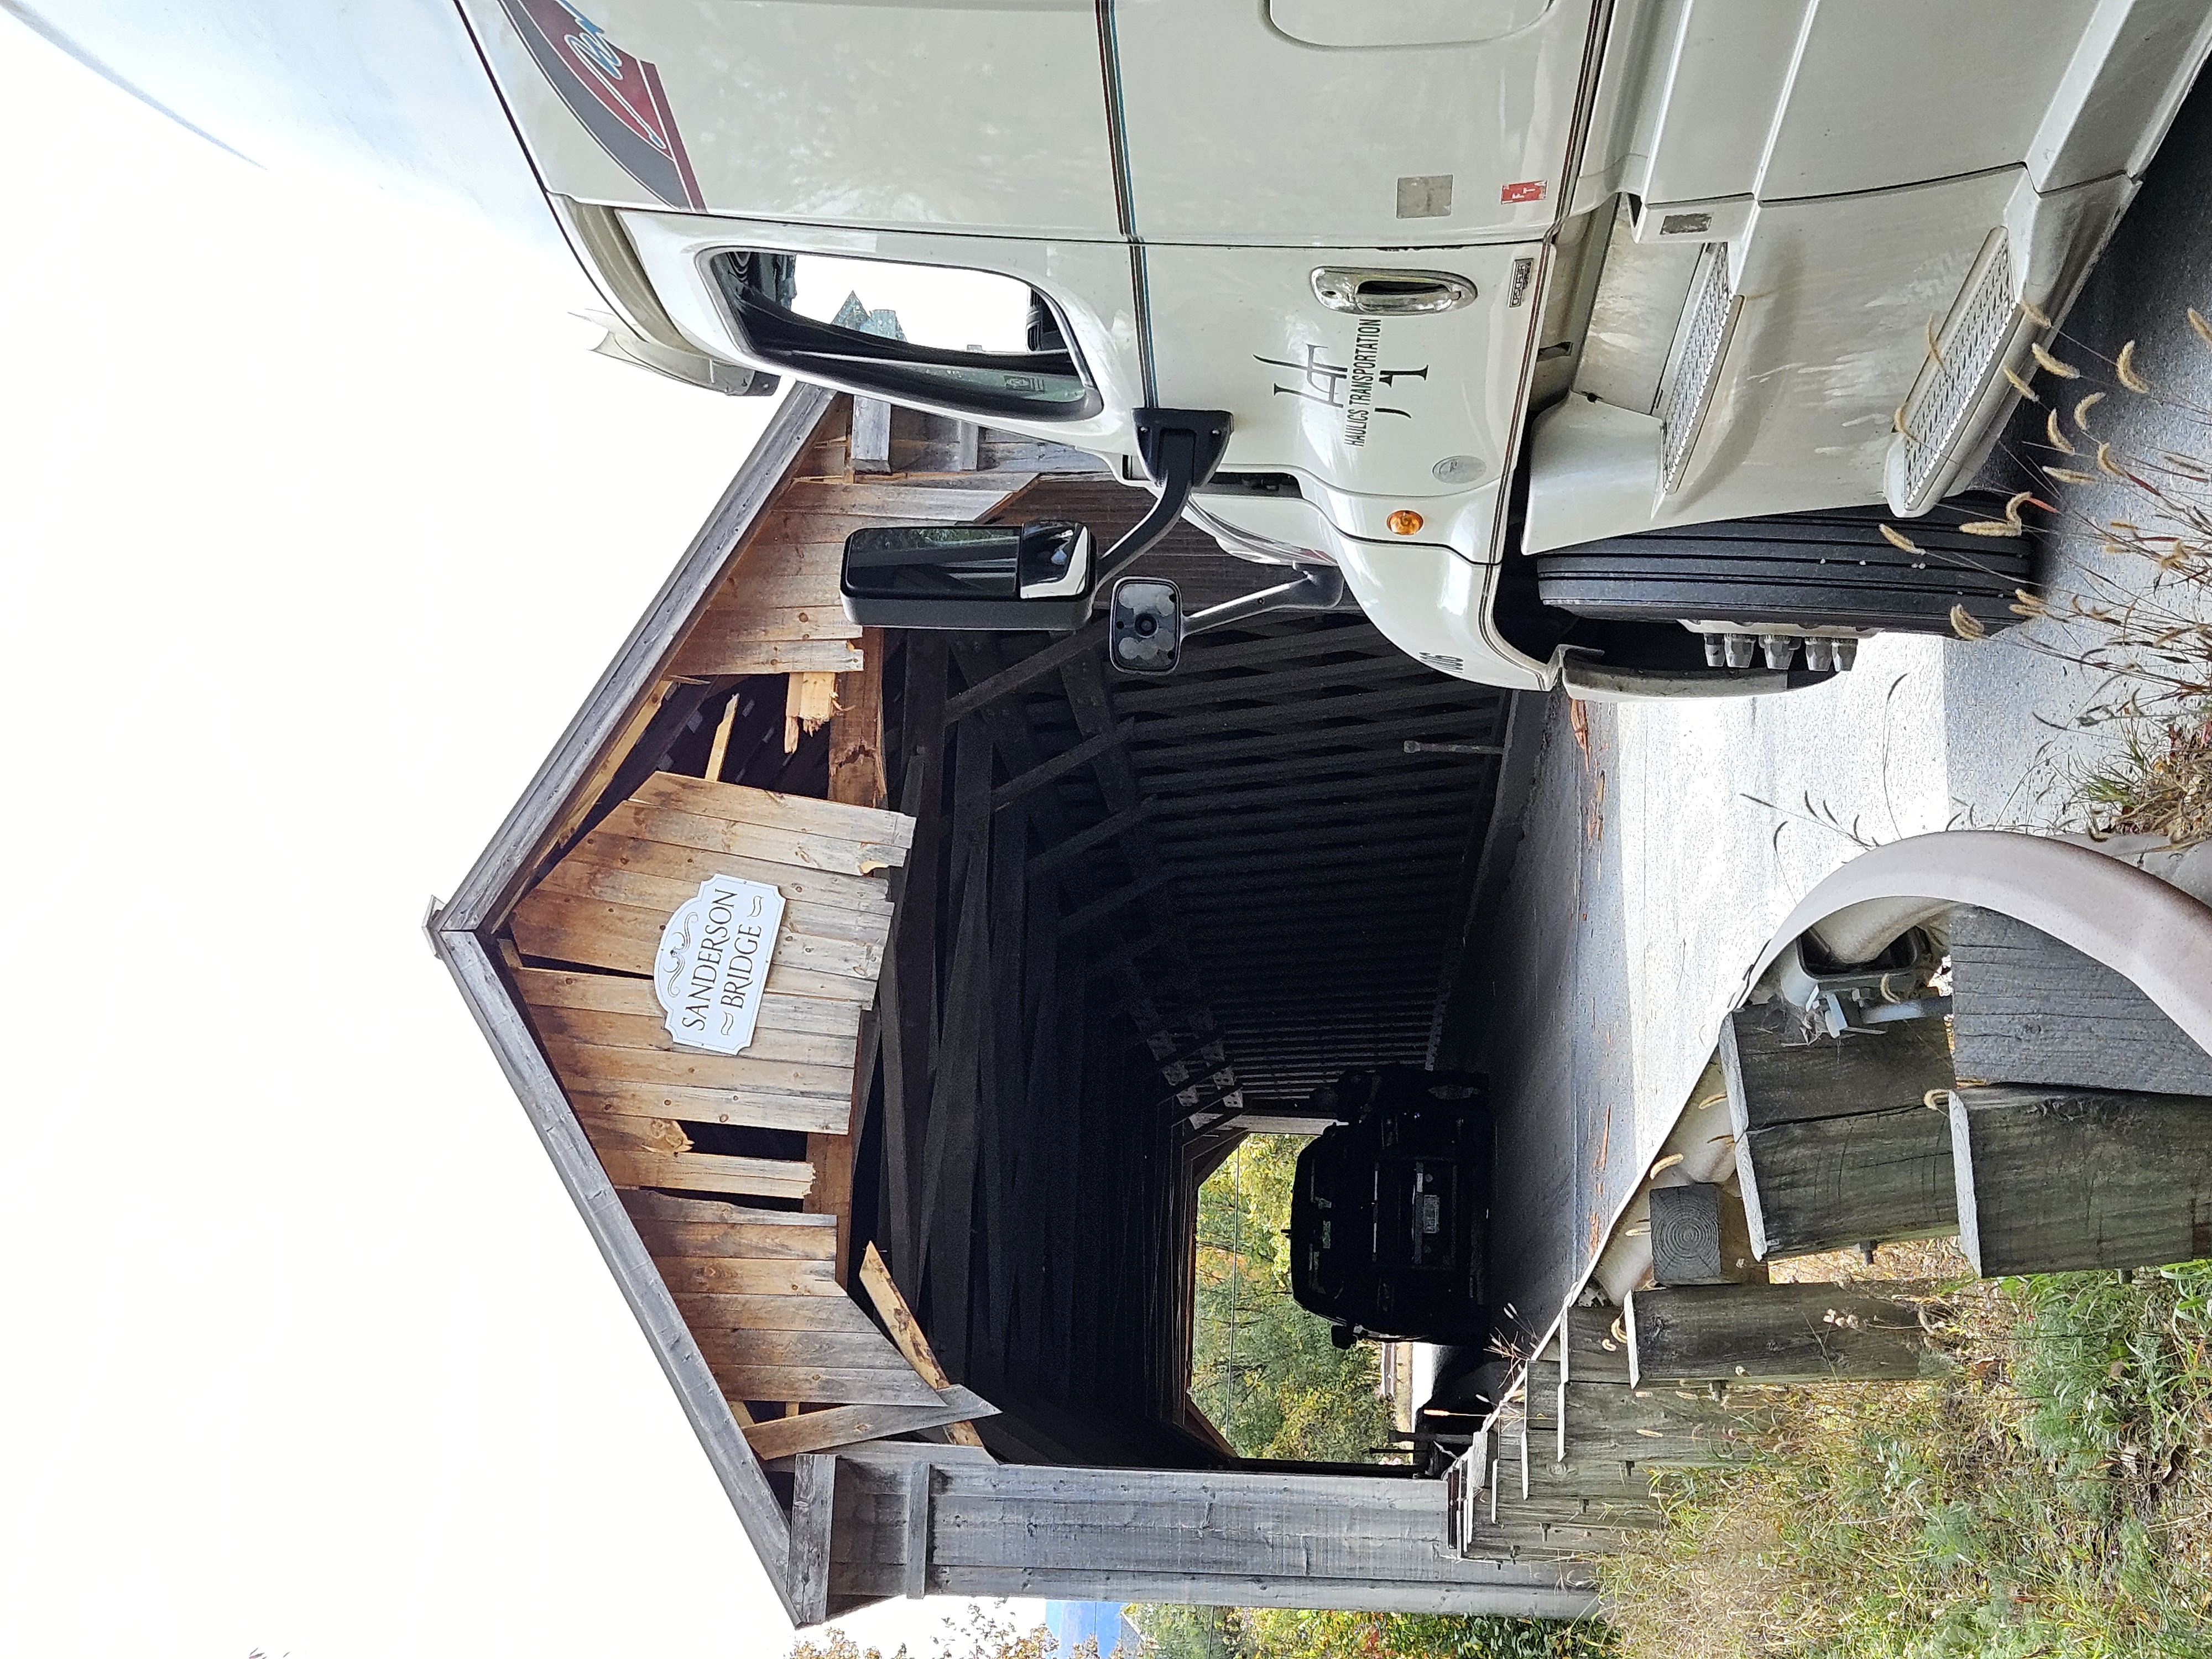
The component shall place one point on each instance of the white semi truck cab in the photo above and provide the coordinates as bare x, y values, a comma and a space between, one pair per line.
1591, 341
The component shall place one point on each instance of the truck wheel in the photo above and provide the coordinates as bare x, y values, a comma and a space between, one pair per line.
1832, 569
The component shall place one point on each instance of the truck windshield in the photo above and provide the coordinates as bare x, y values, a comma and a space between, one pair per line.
971, 340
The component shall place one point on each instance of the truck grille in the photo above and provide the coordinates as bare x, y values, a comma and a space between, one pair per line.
1688, 392
1973, 342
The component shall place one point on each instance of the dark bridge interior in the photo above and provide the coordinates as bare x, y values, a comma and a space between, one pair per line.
1142, 918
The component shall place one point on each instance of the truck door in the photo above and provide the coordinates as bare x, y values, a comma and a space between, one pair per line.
1345, 123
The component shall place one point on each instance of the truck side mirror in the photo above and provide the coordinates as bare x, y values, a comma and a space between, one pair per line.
1144, 627
969, 576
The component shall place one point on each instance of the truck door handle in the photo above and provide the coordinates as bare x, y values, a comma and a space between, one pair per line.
1366, 292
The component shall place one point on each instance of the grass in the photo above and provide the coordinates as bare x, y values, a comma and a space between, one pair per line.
2160, 785
2051, 1496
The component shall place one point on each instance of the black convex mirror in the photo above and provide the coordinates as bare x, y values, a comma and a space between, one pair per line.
1144, 628
969, 576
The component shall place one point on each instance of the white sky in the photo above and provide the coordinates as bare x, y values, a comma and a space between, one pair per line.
318, 522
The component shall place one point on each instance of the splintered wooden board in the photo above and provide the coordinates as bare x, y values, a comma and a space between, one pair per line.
627, 939
758, 1109
801, 816
628, 994
705, 1172
852, 902
627, 1031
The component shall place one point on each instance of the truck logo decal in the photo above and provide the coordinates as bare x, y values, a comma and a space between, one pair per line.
1349, 387
617, 97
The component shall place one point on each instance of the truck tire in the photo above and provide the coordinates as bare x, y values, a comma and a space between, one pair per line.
1828, 570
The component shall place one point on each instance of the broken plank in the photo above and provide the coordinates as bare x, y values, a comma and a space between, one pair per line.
906, 1331
617, 844
708, 1172
564, 927
669, 1207
856, 734
627, 1031
801, 815
581, 878
848, 1424
711, 658
633, 994
756, 1108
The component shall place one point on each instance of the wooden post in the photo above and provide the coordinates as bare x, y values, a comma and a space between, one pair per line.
2028, 1009
856, 779
1701, 1235
2059, 1180
806, 1570
917, 1477
869, 448
1776, 1333
1834, 1143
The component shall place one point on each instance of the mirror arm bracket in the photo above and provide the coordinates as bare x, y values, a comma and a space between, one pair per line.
1179, 449
1318, 587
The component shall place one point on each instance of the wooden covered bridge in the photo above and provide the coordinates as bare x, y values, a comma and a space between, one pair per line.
917, 1253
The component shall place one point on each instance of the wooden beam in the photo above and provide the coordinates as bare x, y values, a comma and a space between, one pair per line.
806, 1570
856, 779
1754, 1333
1083, 916
1834, 1144
2028, 1009
845, 1425
906, 1331
1060, 855
1060, 765
2055, 1180
910, 1022
1864, 1180
1778, 1071
1026, 672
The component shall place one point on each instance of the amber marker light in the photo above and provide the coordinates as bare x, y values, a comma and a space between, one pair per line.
1405, 522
